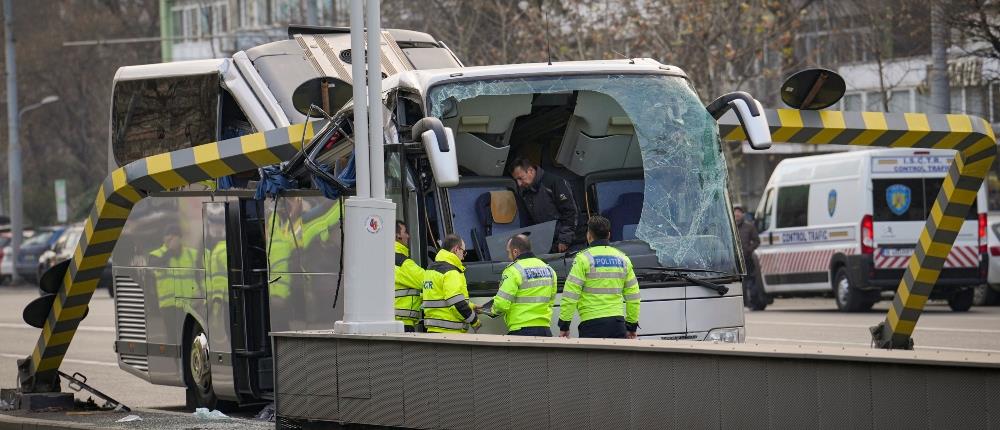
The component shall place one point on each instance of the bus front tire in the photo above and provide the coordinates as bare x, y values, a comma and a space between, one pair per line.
961, 301
849, 298
198, 372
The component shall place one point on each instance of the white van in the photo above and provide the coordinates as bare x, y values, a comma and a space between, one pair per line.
846, 224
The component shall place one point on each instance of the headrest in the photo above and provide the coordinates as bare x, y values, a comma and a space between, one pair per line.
503, 206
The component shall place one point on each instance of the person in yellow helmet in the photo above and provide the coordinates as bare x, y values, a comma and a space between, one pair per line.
409, 278
445, 294
527, 291
600, 286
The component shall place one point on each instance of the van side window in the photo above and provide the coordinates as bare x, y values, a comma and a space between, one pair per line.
793, 206
763, 214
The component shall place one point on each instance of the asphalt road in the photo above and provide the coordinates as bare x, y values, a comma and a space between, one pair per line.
795, 321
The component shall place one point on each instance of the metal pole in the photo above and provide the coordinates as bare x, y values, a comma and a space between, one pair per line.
375, 135
369, 223
13, 132
939, 80
363, 184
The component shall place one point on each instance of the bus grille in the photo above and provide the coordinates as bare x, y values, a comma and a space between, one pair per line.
130, 318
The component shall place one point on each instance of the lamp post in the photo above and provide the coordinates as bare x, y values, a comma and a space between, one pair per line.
14, 179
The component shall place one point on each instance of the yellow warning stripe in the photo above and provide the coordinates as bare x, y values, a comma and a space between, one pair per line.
113, 206
971, 136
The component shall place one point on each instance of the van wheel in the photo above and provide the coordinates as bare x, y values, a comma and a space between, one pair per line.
849, 298
961, 301
198, 372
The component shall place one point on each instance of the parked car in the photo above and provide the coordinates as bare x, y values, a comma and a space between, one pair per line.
27, 261
989, 294
63, 249
7, 264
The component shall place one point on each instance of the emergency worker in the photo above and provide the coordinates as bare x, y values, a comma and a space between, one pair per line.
547, 198
409, 278
445, 293
599, 284
174, 267
527, 291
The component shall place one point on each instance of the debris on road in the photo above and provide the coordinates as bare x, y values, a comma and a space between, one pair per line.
129, 419
266, 414
205, 414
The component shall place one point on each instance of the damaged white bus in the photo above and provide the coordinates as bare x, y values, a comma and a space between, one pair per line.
204, 273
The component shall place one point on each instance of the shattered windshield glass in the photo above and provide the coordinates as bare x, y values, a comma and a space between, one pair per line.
685, 218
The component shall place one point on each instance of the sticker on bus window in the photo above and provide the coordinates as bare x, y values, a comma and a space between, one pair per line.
898, 196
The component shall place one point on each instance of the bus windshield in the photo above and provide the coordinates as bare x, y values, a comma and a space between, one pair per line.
619, 140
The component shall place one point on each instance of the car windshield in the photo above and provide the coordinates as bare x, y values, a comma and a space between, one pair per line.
680, 171
40, 238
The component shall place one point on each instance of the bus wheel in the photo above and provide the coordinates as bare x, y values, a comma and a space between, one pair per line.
198, 372
961, 301
848, 298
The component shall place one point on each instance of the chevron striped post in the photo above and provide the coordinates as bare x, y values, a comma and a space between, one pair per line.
116, 197
971, 136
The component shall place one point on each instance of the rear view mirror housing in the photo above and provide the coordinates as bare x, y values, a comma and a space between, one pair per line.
750, 114
439, 145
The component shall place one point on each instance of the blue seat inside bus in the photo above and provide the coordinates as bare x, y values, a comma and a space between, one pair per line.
616, 195
471, 218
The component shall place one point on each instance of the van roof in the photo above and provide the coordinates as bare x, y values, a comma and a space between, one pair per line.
841, 164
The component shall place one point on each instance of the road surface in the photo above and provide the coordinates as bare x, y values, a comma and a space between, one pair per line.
796, 321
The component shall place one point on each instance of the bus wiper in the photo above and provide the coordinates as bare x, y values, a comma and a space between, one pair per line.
680, 274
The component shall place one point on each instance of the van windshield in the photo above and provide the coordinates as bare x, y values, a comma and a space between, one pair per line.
638, 149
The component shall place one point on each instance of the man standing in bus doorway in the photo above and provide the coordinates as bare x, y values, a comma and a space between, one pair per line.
445, 294
409, 277
599, 284
527, 291
749, 241
547, 198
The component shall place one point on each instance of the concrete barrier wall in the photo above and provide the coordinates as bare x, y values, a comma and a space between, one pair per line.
502, 382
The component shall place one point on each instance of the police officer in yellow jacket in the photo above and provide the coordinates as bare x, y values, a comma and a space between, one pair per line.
409, 277
445, 293
598, 285
527, 291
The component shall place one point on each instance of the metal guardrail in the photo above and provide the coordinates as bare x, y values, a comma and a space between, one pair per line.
503, 382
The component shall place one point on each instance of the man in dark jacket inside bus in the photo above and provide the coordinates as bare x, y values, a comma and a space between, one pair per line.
546, 198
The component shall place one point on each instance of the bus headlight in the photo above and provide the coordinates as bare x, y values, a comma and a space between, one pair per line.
728, 335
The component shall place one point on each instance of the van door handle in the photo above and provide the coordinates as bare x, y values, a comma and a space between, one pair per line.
770, 238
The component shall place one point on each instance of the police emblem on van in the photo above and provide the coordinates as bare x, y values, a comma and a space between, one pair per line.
898, 197
831, 202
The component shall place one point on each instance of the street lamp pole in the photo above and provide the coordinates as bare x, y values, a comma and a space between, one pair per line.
13, 145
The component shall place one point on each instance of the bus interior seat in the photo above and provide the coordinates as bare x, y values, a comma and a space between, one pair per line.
624, 216
482, 127
463, 201
617, 195
599, 136
497, 213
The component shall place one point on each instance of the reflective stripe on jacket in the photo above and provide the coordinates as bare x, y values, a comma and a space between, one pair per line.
409, 277
599, 284
527, 293
446, 296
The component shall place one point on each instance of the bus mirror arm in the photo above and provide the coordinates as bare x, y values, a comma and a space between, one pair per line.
749, 112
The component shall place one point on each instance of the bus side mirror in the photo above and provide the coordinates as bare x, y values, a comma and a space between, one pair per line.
750, 114
439, 144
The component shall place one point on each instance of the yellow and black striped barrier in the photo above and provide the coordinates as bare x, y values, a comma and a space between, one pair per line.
971, 136
115, 199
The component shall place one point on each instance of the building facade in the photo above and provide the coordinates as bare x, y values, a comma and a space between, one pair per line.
200, 29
